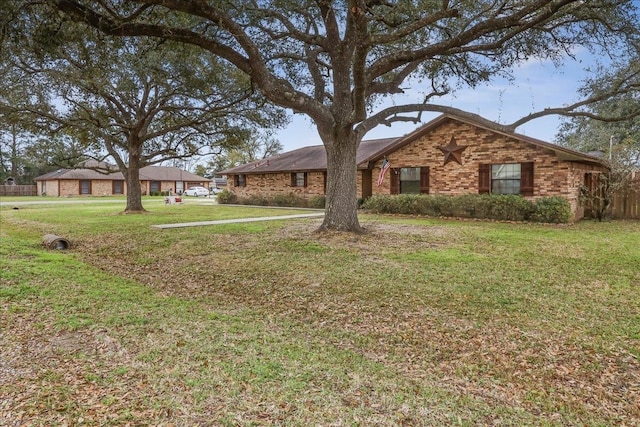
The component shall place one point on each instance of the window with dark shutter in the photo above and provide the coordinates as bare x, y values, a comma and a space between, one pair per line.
526, 179
299, 179
409, 180
118, 187
506, 178
424, 180
85, 186
324, 182
394, 180
484, 179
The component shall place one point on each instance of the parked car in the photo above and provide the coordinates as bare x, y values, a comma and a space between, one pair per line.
215, 190
196, 191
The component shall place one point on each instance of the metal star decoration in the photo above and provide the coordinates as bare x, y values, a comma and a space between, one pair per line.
453, 151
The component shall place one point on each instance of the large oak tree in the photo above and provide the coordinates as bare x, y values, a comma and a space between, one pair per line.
135, 101
336, 60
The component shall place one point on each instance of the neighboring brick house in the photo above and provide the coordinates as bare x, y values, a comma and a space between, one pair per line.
90, 182
449, 155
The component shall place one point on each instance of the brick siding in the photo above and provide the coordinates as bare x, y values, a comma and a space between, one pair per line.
552, 177
272, 184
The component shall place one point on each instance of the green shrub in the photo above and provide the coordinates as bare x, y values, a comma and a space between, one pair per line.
487, 206
226, 197
380, 204
280, 200
552, 210
510, 208
287, 200
317, 202
254, 200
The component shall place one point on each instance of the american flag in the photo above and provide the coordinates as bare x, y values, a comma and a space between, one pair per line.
385, 166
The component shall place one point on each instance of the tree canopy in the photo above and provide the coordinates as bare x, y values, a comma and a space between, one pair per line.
618, 139
137, 101
336, 61
257, 146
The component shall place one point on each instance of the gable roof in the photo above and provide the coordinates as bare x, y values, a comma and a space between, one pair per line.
147, 173
313, 158
563, 153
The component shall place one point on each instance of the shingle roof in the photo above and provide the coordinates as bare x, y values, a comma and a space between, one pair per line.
167, 173
147, 173
313, 158
79, 174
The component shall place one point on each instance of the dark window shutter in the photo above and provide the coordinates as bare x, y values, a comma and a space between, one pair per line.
293, 179
424, 179
394, 180
484, 179
305, 179
526, 179
324, 181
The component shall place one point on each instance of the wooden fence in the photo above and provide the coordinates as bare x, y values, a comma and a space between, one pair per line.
626, 205
18, 190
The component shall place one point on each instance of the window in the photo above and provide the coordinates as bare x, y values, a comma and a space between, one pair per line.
299, 179
85, 186
154, 187
409, 180
118, 187
240, 180
506, 178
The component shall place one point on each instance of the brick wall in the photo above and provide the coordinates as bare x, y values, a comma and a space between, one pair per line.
51, 188
101, 187
271, 184
483, 146
68, 188
552, 177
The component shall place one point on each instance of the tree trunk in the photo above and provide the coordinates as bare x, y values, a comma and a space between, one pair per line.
341, 209
15, 157
134, 194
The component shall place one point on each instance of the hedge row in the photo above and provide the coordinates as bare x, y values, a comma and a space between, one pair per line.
283, 200
500, 207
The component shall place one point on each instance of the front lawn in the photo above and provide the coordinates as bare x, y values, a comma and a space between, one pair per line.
418, 322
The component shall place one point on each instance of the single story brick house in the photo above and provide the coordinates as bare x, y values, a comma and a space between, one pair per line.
90, 182
450, 155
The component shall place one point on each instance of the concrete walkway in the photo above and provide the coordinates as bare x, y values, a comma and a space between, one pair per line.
238, 220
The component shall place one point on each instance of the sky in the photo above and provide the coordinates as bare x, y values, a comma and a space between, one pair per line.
538, 84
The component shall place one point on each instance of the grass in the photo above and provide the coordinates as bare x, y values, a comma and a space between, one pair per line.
418, 322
